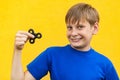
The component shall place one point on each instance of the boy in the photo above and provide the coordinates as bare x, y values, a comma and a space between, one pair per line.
75, 61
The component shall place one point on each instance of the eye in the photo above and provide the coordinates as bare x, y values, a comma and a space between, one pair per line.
69, 27
80, 27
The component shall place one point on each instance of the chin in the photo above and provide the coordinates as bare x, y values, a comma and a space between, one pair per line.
76, 46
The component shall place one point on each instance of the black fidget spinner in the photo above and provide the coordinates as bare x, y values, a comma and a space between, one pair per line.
37, 35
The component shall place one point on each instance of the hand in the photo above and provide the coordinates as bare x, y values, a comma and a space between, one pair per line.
21, 38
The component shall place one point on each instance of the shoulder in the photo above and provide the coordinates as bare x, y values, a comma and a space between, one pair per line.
103, 59
56, 48
108, 67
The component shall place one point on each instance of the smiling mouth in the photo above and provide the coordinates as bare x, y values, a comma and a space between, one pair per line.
76, 39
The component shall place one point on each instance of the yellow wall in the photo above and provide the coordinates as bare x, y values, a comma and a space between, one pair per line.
47, 17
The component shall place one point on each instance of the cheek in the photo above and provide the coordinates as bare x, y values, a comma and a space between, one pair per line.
68, 33
89, 34
86, 33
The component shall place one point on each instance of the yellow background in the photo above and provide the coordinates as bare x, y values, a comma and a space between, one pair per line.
47, 17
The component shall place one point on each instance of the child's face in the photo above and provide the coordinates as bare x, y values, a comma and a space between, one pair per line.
80, 33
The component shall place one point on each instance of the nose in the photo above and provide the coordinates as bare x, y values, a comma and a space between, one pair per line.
74, 32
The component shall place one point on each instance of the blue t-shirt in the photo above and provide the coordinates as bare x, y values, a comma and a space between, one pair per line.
67, 63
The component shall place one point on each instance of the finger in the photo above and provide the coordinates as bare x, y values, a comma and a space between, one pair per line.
29, 35
20, 45
24, 39
18, 35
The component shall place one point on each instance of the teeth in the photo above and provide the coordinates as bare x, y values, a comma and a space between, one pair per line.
75, 39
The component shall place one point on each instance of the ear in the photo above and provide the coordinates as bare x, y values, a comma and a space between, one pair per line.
95, 28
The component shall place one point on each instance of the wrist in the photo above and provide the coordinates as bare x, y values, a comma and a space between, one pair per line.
17, 51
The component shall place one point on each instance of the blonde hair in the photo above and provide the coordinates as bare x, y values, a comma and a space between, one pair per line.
82, 11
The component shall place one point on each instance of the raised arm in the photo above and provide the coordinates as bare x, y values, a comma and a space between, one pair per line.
17, 70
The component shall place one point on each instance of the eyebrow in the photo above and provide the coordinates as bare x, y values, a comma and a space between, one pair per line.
80, 25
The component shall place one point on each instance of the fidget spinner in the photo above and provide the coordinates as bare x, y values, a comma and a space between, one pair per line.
37, 35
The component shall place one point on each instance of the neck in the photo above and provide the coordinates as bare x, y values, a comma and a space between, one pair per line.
81, 48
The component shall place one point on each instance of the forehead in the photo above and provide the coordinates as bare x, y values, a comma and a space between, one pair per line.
82, 21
